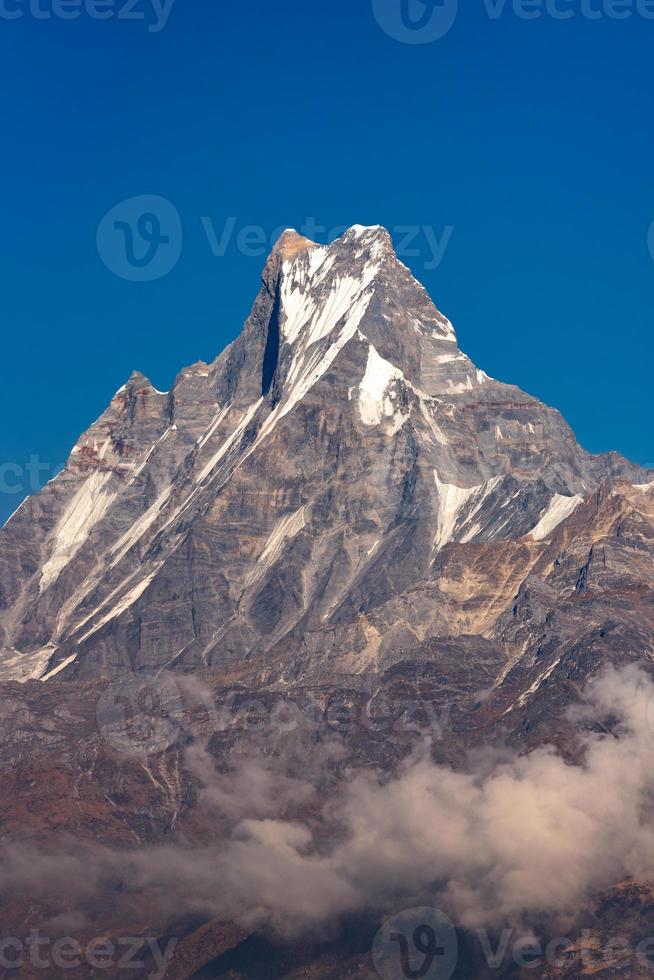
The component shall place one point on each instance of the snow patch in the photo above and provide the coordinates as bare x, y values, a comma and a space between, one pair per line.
85, 510
314, 320
458, 387
307, 371
315, 258
57, 670
374, 403
471, 534
18, 666
23, 501
451, 501
137, 467
538, 683
446, 329
359, 230
127, 600
140, 526
559, 509
285, 530
449, 358
229, 442
439, 435
218, 418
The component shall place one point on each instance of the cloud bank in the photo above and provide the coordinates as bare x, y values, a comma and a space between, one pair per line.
526, 838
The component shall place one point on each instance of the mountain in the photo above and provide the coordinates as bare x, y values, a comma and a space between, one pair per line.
337, 627
309, 504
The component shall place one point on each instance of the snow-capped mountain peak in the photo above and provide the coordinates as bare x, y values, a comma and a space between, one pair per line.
322, 465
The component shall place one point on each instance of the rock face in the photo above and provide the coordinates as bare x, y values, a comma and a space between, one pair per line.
340, 486
342, 521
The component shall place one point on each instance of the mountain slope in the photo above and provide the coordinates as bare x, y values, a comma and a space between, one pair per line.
312, 502
379, 579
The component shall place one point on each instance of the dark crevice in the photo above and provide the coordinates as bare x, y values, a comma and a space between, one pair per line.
271, 353
258, 956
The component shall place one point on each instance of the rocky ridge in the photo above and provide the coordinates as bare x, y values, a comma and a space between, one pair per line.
285, 501
340, 533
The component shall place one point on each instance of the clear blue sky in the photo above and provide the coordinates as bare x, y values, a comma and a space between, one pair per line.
531, 139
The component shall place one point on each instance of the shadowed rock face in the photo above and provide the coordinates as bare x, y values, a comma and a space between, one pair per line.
341, 514
316, 494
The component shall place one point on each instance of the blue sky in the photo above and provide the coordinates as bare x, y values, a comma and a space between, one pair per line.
523, 146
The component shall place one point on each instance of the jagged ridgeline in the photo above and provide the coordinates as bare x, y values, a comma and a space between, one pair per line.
341, 489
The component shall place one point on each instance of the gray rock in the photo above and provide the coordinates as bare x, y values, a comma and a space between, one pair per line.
313, 500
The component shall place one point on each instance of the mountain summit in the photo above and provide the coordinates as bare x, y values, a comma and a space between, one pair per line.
341, 486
